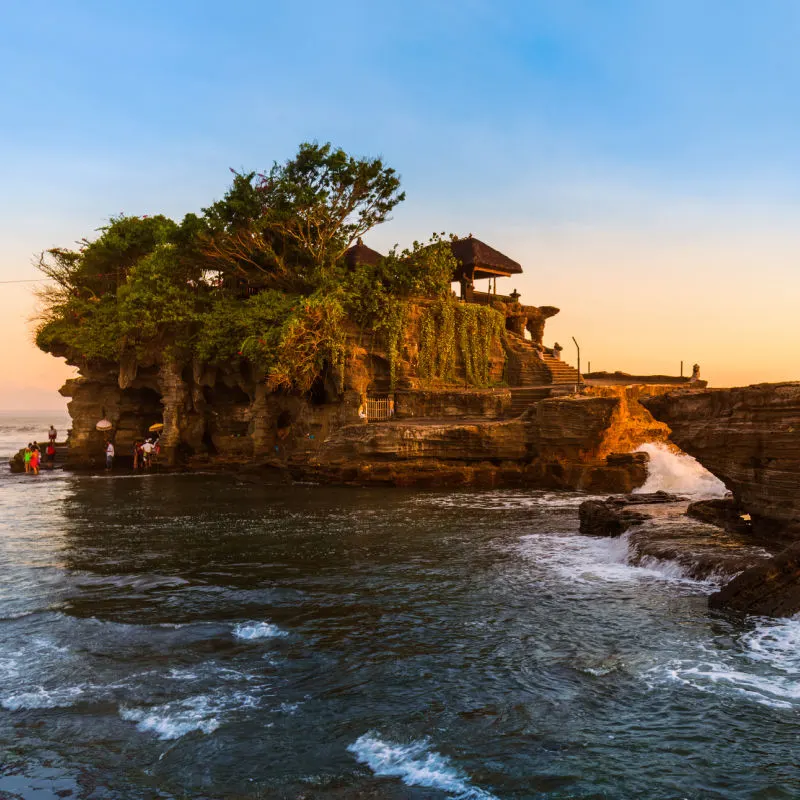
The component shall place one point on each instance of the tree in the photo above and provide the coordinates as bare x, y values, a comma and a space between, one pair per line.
295, 222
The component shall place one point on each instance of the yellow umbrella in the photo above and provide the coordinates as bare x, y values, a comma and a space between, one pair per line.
156, 427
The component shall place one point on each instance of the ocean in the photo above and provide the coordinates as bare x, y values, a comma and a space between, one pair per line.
191, 636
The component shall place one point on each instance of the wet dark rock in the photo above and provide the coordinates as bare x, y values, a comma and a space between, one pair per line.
611, 517
770, 589
699, 550
660, 533
724, 512
748, 437
607, 518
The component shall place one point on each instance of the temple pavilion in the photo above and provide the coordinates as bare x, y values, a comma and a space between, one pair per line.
476, 261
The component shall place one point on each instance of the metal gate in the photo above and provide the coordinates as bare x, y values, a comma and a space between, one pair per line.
379, 407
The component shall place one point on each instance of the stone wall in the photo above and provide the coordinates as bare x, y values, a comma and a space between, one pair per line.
416, 403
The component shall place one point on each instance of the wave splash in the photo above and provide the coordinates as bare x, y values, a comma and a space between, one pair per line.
761, 668
257, 630
202, 713
416, 765
678, 473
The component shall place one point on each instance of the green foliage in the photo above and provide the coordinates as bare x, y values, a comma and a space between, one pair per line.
313, 338
233, 330
154, 305
449, 330
105, 262
376, 295
324, 199
85, 329
290, 227
150, 285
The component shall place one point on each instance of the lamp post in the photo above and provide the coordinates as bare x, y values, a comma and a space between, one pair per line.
580, 377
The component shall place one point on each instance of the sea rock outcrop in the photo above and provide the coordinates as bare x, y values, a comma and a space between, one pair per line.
660, 534
771, 588
558, 443
613, 516
749, 438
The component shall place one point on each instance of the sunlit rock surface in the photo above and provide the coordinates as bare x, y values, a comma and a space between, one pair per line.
749, 438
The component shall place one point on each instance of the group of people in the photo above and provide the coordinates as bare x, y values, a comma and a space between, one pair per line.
32, 455
144, 453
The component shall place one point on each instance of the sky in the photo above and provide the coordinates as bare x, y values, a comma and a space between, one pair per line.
639, 158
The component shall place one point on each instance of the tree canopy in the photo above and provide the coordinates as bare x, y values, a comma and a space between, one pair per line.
257, 278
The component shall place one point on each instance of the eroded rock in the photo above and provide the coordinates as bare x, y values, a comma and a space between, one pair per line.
771, 588
750, 439
612, 516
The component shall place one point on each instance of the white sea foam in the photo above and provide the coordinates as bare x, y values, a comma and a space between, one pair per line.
678, 473
503, 500
776, 642
416, 765
39, 697
257, 630
762, 668
588, 559
203, 713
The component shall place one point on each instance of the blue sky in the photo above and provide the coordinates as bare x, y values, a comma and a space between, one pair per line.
543, 127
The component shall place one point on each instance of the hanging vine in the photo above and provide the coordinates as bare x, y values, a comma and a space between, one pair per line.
449, 329
390, 322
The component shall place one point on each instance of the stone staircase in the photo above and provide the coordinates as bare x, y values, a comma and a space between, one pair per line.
561, 372
523, 397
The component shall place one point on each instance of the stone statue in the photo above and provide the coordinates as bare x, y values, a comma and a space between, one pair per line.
695, 374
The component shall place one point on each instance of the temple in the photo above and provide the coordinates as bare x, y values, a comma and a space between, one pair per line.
530, 365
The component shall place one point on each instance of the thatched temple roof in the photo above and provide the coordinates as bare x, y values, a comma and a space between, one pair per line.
359, 253
478, 260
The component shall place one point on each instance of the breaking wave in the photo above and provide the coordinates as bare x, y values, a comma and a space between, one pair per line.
586, 560
416, 765
678, 473
203, 713
762, 667
257, 630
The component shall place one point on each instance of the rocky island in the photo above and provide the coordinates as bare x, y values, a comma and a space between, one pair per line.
265, 332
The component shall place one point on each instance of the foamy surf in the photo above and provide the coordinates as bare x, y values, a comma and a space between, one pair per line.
39, 698
586, 560
503, 500
201, 713
416, 765
761, 668
678, 473
257, 630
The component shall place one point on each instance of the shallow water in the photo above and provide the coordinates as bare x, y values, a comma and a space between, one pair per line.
188, 636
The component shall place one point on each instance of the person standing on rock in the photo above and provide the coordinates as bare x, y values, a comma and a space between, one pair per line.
109, 454
147, 453
34, 464
52, 434
51, 453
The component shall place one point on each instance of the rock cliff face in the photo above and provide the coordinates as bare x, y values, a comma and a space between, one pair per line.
439, 434
562, 443
749, 438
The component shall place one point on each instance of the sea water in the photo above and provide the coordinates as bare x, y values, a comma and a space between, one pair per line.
180, 636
